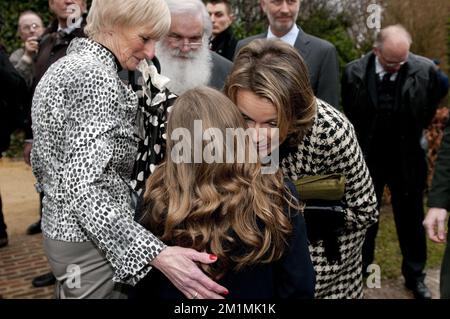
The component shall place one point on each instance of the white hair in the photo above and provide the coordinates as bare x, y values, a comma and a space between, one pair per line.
191, 7
184, 74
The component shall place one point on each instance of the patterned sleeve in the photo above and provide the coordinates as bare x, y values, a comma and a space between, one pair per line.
96, 193
346, 157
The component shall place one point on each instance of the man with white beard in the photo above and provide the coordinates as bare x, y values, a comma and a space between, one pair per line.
184, 53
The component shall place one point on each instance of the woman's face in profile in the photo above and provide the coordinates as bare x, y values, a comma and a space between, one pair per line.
132, 45
261, 114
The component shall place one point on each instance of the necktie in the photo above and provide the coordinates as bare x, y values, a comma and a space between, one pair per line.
386, 77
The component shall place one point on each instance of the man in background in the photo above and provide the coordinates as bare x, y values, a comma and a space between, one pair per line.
184, 54
390, 95
223, 41
319, 55
30, 30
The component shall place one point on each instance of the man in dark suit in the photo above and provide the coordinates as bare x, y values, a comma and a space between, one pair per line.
390, 95
439, 203
184, 54
223, 41
320, 55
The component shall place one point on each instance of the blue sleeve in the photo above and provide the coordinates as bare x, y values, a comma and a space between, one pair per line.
294, 272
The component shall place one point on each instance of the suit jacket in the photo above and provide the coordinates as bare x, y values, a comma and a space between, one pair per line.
439, 195
321, 59
220, 70
224, 44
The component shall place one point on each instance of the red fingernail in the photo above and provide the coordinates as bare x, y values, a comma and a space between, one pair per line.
226, 292
212, 257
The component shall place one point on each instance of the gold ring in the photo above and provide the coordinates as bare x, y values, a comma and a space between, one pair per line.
194, 296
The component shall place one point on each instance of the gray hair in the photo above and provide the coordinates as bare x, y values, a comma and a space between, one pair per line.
396, 30
192, 7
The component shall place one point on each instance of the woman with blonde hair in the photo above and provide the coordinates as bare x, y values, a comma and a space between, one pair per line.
270, 85
85, 145
226, 206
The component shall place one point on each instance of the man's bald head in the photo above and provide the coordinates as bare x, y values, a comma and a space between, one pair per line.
394, 35
392, 47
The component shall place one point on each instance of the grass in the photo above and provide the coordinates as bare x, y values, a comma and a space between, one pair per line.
388, 254
16, 148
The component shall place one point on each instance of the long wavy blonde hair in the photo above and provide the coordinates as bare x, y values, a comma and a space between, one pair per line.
228, 209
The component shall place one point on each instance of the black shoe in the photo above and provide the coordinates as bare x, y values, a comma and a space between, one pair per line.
34, 228
3, 241
419, 289
44, 280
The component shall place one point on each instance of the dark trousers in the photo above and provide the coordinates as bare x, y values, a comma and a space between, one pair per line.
445, 271
2, 220
407, 206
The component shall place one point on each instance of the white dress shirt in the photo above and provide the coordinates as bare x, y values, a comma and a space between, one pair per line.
289, 37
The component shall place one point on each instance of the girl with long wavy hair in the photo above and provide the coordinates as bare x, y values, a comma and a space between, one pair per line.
250, 221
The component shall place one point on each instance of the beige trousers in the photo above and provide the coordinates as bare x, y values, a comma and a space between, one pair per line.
81, 271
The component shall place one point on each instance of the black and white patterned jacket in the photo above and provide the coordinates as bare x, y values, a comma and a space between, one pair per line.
84, 151
330, 146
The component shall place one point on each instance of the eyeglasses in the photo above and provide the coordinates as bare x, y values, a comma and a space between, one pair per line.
391, 64
280, 2
29, 27
180, 41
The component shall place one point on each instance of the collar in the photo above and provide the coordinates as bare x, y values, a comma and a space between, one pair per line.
225, 33
71, 27
88, 46
379, 70
116, 60
289, 37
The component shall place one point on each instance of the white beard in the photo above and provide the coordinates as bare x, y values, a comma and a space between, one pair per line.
184, 74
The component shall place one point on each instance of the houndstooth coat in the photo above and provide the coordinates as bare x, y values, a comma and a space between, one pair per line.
330, 146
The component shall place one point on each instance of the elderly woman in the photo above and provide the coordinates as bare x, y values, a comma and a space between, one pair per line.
83, 156
270, 85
